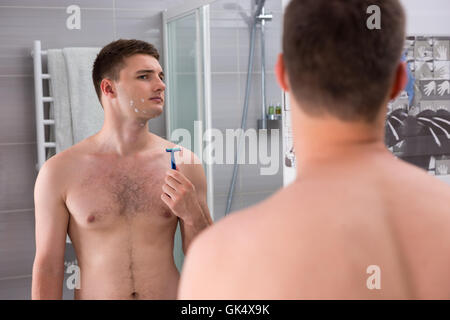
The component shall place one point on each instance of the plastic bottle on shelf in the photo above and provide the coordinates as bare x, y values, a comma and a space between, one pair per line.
278, 109
271, 109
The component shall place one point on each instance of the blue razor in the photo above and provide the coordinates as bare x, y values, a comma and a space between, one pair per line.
172, 156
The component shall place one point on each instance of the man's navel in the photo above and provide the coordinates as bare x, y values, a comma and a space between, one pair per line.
134, 295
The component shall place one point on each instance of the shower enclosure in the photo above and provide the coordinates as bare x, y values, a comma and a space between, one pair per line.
215, 63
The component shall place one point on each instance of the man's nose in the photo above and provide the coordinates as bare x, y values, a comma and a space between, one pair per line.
161, 86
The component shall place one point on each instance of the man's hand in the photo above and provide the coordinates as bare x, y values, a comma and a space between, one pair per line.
180, 196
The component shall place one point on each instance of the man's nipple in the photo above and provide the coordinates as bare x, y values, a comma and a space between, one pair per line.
91, 218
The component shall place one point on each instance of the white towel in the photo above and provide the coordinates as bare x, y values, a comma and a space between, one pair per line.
86, 111
59, 90
77, 111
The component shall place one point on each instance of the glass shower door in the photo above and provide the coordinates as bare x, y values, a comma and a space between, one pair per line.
186, 49
184, 79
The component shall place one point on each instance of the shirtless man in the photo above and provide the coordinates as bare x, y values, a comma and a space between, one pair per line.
353, 204
115, 193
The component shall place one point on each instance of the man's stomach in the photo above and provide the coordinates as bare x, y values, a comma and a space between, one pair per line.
126, 267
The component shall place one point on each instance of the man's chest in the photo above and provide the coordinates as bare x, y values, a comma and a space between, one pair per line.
104, 194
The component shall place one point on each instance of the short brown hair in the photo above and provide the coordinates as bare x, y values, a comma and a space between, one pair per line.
110, 60
335, 62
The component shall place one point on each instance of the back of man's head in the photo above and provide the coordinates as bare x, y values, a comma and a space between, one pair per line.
335, 63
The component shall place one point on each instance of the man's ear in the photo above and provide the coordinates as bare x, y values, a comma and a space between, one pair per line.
108, 88
400, 80
281, 74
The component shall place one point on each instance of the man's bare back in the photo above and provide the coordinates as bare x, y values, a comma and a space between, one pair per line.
121, 230
321, 234
357, 222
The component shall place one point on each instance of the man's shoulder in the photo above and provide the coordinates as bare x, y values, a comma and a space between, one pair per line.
59, 166
213, 259
232, 235
62, 158
419, 181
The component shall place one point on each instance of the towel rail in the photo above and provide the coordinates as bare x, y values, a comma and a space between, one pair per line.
42, 145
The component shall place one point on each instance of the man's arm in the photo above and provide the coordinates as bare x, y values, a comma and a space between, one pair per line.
190, 228
51, 219
184, 192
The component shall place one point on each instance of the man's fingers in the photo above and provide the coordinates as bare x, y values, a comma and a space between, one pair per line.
178, 176
171, 192
172, 182
166, 199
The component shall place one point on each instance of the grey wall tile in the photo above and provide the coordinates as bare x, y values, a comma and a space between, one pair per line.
273, 5
270, 5
250, 176
16, 288
220, 204
246, 200
17, 176
147, 5
158, 126
253, 181
273, 37
19, 288
17, 243
226, 115
255, 100
226, 107
224, 51
222, 178
17, 120
58, 3
273, 90
241, 200
19, 27
247, 6
227, 5
230, 19
144, 25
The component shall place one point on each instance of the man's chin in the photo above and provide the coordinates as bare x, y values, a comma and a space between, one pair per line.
156, 111
159, 110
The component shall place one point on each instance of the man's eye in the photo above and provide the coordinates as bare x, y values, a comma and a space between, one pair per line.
140, 77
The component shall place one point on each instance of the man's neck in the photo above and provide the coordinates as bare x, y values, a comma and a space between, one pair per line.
123, 136
327, 140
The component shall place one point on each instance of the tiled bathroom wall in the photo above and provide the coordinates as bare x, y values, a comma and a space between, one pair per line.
23, 21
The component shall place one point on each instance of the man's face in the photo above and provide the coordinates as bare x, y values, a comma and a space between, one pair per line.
140, 87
